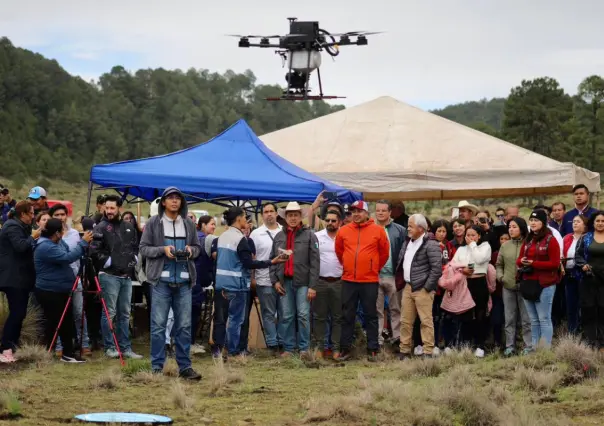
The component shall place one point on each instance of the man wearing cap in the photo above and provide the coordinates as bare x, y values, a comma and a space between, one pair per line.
363, 250
37, 198
467, 211
166, 235
295, 280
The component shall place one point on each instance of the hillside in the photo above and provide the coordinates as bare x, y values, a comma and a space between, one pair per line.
484, 114
57, 125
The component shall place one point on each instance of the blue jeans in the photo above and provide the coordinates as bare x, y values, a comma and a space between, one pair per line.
78, 307
268, 308
179, 299
540, 314
229, 308
294, 303
572, 303
117, 292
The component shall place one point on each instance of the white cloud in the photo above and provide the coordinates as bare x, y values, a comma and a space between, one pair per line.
434, 52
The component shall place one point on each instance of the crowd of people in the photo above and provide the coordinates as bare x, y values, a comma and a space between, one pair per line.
416, 287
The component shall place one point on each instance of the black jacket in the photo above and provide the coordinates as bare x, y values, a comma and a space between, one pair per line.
116, 240
17, 256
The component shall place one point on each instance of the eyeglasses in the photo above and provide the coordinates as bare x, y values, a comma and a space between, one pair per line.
500, 215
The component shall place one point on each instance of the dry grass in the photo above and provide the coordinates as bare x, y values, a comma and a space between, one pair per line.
179, 396
171, 368
110, 379
147, 377
222, 377
578, 355
31, 330
538, 380
34, 354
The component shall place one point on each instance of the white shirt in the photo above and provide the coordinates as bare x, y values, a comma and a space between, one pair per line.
412, 248
558, 238
72, 238
330, 265
570, 263
479, 255
263, 239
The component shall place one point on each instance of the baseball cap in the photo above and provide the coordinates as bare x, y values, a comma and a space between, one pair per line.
37, 192
360, 205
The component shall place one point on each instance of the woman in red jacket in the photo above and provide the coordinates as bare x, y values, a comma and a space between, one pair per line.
539, 266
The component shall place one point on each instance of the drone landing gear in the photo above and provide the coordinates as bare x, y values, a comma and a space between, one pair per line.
298, 88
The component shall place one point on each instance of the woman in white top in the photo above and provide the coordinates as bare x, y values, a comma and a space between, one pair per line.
476, 254
572, 277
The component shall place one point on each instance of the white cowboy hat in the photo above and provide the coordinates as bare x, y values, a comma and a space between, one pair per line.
465, 205
292, 206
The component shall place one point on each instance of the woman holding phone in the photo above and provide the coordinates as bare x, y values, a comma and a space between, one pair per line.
476, 254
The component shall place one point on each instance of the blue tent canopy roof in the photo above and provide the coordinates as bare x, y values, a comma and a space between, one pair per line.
233, 165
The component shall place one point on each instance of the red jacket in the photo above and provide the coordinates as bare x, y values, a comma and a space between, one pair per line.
546, 260
363, 250
568, 241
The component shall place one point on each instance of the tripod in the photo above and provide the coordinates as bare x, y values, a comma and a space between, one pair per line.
86, 262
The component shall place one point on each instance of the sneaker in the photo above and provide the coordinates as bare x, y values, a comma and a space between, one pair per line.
72, 359
58, 354
216, 352
345, 356
8, 355
197, 349
508, 352
448, 351
336, 356
286, 355
328, 353
436, 351
479, 353
403, 357
112, 353
3, 359
131, 355
189, 374
86, 352
527, 351
418, 351
319, 354
273, 350
372, 357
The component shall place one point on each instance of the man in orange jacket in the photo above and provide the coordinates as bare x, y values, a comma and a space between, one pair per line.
363, 249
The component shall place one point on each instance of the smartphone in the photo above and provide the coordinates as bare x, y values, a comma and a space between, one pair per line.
470, 266
285, 253
454, 213
330, 196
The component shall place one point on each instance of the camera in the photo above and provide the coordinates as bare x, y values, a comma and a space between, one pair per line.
526, 270
482, 219
181, 255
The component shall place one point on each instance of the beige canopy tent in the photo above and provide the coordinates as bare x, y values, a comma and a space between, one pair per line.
388, 149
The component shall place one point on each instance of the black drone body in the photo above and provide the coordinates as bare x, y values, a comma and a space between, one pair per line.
301, 51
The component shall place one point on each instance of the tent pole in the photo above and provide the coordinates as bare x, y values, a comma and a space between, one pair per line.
88, 198
598, 200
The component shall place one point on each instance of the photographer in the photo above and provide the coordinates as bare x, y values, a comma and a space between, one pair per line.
54, 280
114, 251
170, 244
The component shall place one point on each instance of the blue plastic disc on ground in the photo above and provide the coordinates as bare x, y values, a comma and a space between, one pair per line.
124, 418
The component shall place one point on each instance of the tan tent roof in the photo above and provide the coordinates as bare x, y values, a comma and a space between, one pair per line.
388, 149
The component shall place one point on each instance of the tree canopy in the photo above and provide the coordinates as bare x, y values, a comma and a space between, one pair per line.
52, 123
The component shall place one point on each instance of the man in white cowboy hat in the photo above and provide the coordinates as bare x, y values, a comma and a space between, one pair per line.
295, 279
467, 211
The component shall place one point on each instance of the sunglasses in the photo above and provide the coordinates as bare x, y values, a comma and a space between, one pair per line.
331, 221
500, 215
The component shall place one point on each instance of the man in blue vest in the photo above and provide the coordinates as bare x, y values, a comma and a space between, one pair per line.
582, 208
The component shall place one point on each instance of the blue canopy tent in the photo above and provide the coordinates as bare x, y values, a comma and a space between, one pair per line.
235, 165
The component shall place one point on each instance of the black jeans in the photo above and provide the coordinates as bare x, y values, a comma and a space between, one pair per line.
195, 319
53, 304
591, 295
476, 331
17, 310
367, 294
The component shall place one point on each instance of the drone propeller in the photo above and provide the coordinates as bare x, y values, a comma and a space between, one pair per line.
357, 33
252, 36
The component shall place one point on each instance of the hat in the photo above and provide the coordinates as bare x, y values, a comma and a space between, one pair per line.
539, 215
36, 192
465, 205
293, 207
359, 205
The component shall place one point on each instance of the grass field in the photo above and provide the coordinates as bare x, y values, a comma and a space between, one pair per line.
559, 387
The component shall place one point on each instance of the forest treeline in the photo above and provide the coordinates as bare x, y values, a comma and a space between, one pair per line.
56, 125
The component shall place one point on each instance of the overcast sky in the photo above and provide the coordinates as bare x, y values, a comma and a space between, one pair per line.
434, 52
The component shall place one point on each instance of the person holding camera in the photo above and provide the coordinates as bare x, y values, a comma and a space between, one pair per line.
54, 281
539, 272
114, 252
170, 245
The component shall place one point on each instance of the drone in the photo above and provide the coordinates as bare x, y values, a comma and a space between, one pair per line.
301, 51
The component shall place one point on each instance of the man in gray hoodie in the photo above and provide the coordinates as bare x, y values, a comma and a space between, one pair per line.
170, 244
